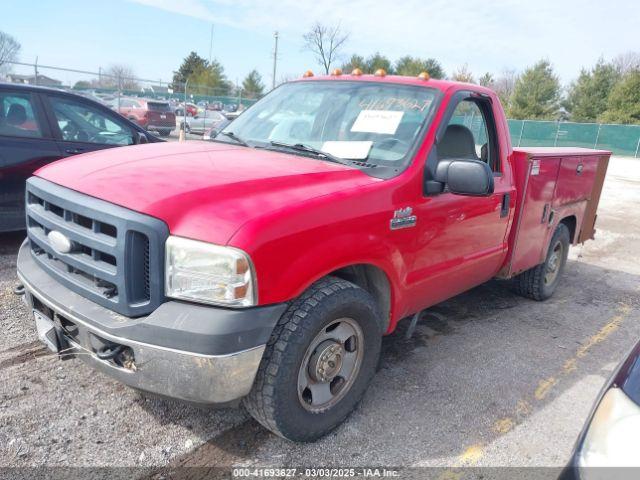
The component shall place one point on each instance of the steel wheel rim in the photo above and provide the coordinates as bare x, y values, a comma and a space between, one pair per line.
330, 365
553, 263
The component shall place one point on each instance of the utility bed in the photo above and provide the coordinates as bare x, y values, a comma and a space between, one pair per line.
553, 183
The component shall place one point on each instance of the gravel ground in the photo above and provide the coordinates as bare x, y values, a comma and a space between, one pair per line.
489, 379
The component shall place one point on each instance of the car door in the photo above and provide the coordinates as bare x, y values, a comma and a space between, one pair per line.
461, 240
26, 144
80, 125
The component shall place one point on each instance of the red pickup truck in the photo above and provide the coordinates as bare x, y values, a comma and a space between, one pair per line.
267, 264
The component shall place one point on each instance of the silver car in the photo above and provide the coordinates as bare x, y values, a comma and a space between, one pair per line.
203, 121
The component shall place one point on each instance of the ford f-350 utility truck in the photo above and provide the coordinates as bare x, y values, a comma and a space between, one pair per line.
266, 265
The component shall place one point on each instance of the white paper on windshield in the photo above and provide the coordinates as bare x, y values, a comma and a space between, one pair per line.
358, 150
377, 121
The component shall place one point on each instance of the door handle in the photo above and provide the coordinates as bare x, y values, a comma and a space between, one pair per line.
73, 150
506, 200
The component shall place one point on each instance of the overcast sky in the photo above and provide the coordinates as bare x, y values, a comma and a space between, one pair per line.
153, 36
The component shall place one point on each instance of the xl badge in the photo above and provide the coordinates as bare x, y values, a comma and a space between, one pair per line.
403, 218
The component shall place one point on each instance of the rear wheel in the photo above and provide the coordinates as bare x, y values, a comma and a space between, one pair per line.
164, 133
539, 282
319, 361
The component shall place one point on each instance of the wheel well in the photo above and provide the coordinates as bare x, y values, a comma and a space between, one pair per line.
570, 222
373, 280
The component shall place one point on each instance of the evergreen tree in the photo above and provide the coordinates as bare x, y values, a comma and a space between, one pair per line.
624, 100
411, 66
536, 95
588, 95
252, 86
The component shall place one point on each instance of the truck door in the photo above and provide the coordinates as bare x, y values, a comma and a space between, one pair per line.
461, 240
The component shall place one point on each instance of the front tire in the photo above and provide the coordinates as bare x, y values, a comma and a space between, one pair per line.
318, 362
539, 282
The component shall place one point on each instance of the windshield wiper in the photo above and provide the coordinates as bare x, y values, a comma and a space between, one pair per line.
234, 137
300, 147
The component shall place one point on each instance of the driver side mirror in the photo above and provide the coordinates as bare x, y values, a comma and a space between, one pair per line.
466, 177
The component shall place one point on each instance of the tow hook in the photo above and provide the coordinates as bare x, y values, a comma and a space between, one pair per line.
108, 353
121, 355
19, 289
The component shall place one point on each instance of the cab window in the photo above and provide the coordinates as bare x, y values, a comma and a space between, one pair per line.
471, 134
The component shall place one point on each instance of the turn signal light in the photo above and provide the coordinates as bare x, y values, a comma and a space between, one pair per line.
307, 74
357, 72
380, 72
336, 72
424, 76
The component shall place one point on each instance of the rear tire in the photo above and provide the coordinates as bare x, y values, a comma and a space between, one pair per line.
164, 133
539, 282
318, 362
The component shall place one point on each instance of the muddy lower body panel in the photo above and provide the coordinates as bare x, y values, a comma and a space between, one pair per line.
200, 354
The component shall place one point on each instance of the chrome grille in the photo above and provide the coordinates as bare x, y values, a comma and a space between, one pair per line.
116, 255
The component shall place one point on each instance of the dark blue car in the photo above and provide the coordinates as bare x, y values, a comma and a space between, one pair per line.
39, 125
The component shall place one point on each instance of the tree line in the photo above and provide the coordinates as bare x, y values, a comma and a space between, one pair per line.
607, 92
206, 77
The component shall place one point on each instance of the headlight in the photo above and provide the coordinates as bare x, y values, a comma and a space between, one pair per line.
612, 436
207, 273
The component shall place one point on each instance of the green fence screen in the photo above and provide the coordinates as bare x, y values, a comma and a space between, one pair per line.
620, 139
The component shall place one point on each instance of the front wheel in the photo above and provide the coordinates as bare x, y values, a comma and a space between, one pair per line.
319, 361
539, 282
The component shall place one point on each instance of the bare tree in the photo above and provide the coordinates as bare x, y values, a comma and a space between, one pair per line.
325, 42
124, 75
626, 62
504, 86
463, 74
9, 49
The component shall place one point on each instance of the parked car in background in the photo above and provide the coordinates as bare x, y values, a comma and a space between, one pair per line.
215, 106
39, 125
611, 435
203, 121
149, 114
212, 132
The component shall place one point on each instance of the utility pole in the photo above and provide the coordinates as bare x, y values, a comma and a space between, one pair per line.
99, 76
211, 46
35, 66
275, 59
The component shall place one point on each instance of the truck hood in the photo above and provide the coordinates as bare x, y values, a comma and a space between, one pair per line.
204, 191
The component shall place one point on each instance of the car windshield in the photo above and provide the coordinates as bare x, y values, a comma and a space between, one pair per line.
356, 120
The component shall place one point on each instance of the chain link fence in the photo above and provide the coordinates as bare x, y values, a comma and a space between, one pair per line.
110, 85
110, 88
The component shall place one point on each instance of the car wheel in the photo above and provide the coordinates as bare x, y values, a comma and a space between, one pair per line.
318, 362
539, 282
164, 133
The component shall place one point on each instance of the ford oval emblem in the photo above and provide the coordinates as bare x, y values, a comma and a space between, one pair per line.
59, 241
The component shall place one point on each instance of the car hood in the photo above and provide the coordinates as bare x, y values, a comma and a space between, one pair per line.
203, 191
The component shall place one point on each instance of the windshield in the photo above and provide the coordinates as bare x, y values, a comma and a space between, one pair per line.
376, 122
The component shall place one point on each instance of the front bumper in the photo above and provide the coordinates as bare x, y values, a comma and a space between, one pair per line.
191, 352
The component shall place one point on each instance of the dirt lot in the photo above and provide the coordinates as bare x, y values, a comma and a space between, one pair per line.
489, 378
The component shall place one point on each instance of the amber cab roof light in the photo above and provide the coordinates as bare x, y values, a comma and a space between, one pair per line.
307, 74
424, 76
356, 72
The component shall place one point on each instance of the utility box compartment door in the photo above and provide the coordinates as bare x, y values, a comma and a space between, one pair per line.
538, 177
575, 180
